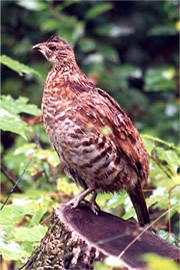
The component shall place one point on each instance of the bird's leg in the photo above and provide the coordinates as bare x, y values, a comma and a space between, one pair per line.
75, 202
93, 203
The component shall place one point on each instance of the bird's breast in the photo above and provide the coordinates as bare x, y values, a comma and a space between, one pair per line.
82, 149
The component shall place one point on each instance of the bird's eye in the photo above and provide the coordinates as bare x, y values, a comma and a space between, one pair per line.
52, 47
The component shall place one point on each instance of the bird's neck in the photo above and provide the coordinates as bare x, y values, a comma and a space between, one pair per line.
64, 66
64, 73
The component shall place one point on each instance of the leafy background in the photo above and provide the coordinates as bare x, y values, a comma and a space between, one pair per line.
129, 49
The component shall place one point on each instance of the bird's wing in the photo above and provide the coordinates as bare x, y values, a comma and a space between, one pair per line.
121, 131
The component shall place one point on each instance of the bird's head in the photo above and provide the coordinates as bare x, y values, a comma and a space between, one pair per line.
55, 50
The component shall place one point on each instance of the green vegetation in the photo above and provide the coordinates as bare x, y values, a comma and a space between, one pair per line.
130, 49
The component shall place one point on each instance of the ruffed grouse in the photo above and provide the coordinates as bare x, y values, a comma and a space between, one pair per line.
77, 116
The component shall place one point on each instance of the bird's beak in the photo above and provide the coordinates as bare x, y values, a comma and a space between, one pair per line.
36, 47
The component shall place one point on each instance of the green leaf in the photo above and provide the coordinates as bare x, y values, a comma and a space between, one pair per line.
87, 44
26, 149
37, 216
162, 30
49, 155
149, 145
15, 212
34, 5
110, 262
100, 266
160, 79
156, 262
11, 122
97, 9
34, 234
17, 66
126, 71
109, 53
170, 157
9, 110
106, 131
18, 106
158, 140
64, 185
49, 25
167, 236
11, 250
117, 199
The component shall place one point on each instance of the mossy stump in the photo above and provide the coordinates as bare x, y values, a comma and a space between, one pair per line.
76, 238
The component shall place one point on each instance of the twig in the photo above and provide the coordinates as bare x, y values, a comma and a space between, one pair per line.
52, 172
11, 179
162, 169
17, 182
144, 230
169, 206
22, 266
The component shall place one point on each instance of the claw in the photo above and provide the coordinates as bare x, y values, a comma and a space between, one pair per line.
92, 203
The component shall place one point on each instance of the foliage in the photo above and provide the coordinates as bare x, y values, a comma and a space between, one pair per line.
154, 262
128, 48
157, 263
16, 66
10, 110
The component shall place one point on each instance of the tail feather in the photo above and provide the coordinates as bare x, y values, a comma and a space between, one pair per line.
137, 197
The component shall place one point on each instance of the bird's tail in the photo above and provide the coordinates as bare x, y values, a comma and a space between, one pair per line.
137, 197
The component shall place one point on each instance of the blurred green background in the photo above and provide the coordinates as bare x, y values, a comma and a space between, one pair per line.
129, 49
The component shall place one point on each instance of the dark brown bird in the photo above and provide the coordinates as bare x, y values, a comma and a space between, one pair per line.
96, 141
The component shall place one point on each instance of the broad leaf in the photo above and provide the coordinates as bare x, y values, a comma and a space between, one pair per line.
17, 66
18, 106
157, 79
9, 110
33, 234
11, 122
97, 10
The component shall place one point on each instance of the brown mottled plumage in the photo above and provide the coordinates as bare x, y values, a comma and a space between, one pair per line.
96, 141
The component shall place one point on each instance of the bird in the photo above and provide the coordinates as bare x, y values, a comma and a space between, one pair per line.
97, 143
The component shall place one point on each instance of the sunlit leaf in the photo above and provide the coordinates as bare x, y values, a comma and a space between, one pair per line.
34, 5
16, 106
155, 262
178, 25
159, 79
17, 66
117, 199
170, 157
10, 250
64, 185
97, 10
156, 139
37, 216
33, 234
167, 236
10, 108
106, 131
25, 149
113, 261
12, 123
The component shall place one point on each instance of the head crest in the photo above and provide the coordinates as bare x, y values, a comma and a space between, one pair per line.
55, 39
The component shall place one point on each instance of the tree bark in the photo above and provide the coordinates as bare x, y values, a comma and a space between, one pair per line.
76, 238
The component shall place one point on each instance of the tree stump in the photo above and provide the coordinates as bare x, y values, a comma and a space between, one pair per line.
76, 238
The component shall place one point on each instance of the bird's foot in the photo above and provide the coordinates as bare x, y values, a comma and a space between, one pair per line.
92, 203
